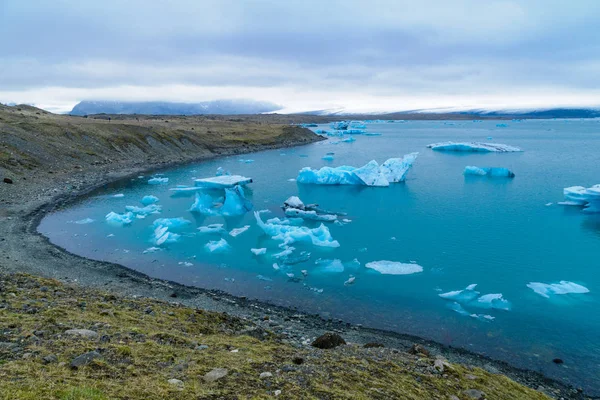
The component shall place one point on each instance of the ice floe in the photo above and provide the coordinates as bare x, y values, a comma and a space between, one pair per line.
589, 198
289, 234
473, 147
149, 199
494, 172
462, 296
217, 246
120, 219
259, 252
212, 229
563, 287
157, 181
330, 266
371, 174
470, 297
222, 181
171, 223
394, 268
162, 235
493, 300
142, 212
296, 209
84, 221
238, 231
350, 281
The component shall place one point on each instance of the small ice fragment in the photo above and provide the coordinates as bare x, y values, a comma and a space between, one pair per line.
171, 223
119, 219
185, 263
151, 250
493, 300
393, 238
330, 266
213, 229
141, 177
292, 180
563, 287
158, 181
110, 235
118, 195
142, 212
84, 221
310, 215
238, 231
362, 250
327, 158
295, 202
289, 250
217, 246
473, 147
259, 252
494, 172
548, 204
462, 296
350, 281
304, 273
290, 275
346, 220
275, 267
150, 199
264, 278
246, 161
394, 268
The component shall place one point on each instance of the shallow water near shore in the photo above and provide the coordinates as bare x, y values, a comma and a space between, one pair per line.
497, 233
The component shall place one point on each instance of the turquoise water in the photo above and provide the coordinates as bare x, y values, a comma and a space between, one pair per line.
497, 233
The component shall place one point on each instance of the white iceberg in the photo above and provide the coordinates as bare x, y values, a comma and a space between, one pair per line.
462, 296
141, 212
563, 287
493, 300
157, 181
494, 172
150, 199
217, 246
311, 215
295, 202
120, 219
473, 147
582, 196
183, 190
238, 231
371, 174
222, 181
259, 252
289, 234
212, 229
394, 267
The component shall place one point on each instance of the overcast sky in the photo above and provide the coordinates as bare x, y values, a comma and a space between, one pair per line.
303, 54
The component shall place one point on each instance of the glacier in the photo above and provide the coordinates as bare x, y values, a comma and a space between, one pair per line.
289, 234
394, 267
589, 198
494, 172
371, 174
150, 199
473, 147
563, 287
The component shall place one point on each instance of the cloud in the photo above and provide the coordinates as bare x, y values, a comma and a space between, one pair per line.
390, 53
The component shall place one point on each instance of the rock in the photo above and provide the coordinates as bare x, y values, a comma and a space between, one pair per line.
7, 180
372, 345
86, 333
50, 359
215, 374
202, 347
175, 382
298, 360
453, 397
438, 365
328, 341
418, 349
265, 375
277, 392
558, 361
474, 394
471, 377
85, 359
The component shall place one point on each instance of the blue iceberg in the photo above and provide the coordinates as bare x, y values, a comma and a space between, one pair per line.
171, 223
222, 181
217, 246
339, 125
493, 172
289, 234
150, 199
589, 198
473, 147
120, 219
143, 212
561, 288
394, 268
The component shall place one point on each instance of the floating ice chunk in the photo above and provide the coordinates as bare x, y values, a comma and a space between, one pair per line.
294, 202
289, 234
311, 215
288, 251
372, 134
339, 126
458, 308
171, 223
349, 140
221, 172
290, 275
182, 190
581, 196
217, 246
246, 161
264, 278
118, 195
493, 300
548, 204
259, 252
275, 266
371, 175
473, 147
222, 182
563, 287
185, 263
157, 181
354, 131
501, 125
150, 199
482, 317
151, 250
238, 231
462, 296
203, 204
329, 176
330, 266
493, 172
162, 235
394, 268
84, 221
235, 202
350, 281
212, 229
141, 212
395, 169
120, 219
327, 158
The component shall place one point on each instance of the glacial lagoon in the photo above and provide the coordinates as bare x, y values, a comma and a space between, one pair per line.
439, 232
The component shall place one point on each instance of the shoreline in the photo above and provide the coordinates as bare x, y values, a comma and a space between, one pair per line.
28, 251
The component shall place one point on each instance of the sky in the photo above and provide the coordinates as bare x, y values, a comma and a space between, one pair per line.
376, 55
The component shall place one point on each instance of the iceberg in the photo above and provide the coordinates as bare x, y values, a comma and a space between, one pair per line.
473, 147
589, 198
259, 252
371, 174
147, 200
349, 140
235, 203
394, 268
183, 191
461, 296
295, 202
327, 158
162, 235
493, 172
563, 287
142, 212
119, 219
339, 126
217, 246
238, 231
171, 223
222, 181
289, 234
330, 266
212, 229
157, 181
493, 300
311, 215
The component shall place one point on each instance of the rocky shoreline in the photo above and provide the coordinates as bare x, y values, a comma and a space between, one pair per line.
23, 250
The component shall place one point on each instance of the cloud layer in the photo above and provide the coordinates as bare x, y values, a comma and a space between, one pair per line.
380, 54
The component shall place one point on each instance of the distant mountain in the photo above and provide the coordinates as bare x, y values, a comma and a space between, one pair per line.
167, 108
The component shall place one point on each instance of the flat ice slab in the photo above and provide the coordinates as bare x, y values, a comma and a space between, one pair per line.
563, 287
473, 147
222, 182
394, 268
493, 172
